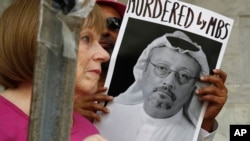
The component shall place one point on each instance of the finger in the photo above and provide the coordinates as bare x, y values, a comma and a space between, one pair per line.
213, 96
217, 88
84, 98
213, 90
218, 100
206, 90
101, 90
91, 115
89, 110
99, 98
92, 106
214, 80
221, 74
96, 97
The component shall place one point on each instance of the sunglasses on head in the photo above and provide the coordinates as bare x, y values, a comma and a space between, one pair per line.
113, 23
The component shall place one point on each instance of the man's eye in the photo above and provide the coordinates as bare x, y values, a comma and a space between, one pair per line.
162, 68
183, 75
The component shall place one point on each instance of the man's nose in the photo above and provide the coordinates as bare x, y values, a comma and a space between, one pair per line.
170, 80
105, 32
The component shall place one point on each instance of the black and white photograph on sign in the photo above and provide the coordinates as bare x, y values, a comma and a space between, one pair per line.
155, 71
153, 82
137, 36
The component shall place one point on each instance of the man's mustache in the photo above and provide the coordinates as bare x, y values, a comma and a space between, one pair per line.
167, 91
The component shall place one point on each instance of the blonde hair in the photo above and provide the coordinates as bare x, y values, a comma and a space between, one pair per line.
95, 20
18, 39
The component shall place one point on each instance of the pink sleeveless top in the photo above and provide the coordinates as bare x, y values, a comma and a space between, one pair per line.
14, 124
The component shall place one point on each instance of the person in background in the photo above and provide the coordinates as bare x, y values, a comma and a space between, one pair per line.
216, 96
113, 12
18, 44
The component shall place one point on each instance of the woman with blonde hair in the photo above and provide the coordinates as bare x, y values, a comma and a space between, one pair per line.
18, 44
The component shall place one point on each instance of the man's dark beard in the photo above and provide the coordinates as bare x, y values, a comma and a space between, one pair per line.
166, 90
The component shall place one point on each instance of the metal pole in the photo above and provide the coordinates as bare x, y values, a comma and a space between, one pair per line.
52, 98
